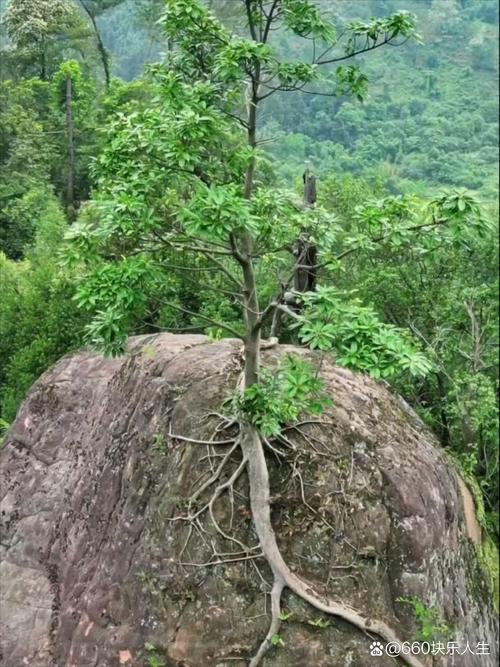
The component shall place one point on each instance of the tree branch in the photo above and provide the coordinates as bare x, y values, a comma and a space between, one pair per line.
349, 251
354, 53
211, 321
251, 23
269, 21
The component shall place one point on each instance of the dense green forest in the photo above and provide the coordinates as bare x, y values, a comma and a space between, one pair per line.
427, 105
99, 98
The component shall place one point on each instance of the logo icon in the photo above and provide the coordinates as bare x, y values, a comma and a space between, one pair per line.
376, 649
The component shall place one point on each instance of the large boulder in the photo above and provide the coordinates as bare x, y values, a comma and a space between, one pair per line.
95, 574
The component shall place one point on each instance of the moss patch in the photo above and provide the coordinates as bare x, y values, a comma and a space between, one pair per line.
487, 552
488, 559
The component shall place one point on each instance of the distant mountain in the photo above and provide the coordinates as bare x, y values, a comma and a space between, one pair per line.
431, 116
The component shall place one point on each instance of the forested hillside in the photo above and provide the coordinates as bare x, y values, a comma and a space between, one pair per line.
85, 143
426, 106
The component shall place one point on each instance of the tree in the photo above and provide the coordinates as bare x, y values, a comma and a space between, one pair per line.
94, 9
68, 83
28, 154
184, 181
42, 29
447, 295
39, 320
70, 193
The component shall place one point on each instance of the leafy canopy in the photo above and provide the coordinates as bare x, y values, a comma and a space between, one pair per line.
173, 181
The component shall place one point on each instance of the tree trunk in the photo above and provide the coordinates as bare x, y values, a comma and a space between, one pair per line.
309, 188
105, 60
70, 186
43, 63
252, 335
250, 293
252, 136
306, 253
103, 52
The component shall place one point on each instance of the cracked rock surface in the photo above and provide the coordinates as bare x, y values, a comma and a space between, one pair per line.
93, 573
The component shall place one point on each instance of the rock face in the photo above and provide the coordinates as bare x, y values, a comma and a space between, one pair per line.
95, 574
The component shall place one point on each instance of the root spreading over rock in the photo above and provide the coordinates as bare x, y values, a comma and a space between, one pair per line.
140, 522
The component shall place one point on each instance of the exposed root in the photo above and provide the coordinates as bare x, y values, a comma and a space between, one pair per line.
269, 343
223, 561
296, 473
193, 518
258, 476
218, 491
253, 460
195, 441
311, 442
274, 627
279, 454
215, 476
304, 422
